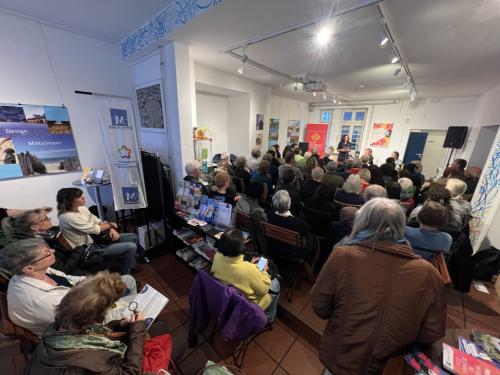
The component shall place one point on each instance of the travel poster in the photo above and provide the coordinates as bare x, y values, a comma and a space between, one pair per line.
293, 130
381, 135
36, 140
274, 130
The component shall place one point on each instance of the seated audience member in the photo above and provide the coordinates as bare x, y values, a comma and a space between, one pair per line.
347, 166
390, 160
193, 174
331, 178
441, 195
77, 341
288, 183
365, 176
369, 154
309, 164
356, 165
277, 150
242, 171
301, 162
224, 164
407, 192
274, 160
249, 203
340, 229
310, 186
322, 200
221, 191
323, 162
456, 169
36, 289
282, 217
290, 165
364, 161
398, 162
393, 189
376, 176
37, 223
427, 240
374, 191
350, 192
13, 212
262, 175
254, 161
461, 208
388, 172
298, 154
472, 175
352, 295
273, 169
78, 224
418, 171
230, 268
410, 171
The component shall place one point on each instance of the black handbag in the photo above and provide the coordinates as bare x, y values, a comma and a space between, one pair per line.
91, 255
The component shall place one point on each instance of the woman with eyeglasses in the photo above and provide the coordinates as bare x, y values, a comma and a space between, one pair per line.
35, 288
37, 223
79, 343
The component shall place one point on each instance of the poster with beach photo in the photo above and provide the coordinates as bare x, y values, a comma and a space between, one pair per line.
274, 130
293, 131
36, 140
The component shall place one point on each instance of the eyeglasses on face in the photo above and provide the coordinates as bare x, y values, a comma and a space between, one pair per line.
48, 253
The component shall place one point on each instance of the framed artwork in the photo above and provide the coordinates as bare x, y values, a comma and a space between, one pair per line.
150, 106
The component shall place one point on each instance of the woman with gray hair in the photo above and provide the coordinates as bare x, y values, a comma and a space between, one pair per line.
350, 193
378, 295
35, 289
254, 161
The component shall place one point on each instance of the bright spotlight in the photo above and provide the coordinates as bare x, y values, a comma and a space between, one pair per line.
314, 94
384, 41
323, 36
241, 69
394, 60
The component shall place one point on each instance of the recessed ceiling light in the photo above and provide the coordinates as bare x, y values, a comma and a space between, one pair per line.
361, 86
323, 35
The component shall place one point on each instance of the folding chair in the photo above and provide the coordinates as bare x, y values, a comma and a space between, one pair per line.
294, 240
219, 304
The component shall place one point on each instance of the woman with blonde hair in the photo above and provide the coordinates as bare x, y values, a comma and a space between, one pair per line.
461, 208
78, 342
221, 190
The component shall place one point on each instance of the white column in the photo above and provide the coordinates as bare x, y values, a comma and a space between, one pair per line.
180, 99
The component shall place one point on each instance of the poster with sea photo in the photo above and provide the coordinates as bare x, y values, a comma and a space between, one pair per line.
293, 132
36, 140
274, 130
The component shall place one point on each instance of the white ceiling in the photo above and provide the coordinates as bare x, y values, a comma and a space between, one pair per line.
451, 46
110, 20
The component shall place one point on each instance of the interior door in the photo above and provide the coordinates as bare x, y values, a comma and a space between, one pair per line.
415, 146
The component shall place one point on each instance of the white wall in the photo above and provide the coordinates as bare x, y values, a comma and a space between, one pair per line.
79, 63
286, 109
426, 114
241, 121
211, 112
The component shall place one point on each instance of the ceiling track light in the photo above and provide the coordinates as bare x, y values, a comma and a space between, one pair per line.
334, 100
282, 84
394, 60
324, 96
314, 94
397, 71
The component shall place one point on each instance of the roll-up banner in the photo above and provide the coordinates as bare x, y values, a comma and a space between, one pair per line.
116, 120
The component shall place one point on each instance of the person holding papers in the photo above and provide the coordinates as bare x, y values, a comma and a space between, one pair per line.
344, 148
79, 343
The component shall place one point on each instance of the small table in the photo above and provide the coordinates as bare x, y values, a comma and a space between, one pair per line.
95, 187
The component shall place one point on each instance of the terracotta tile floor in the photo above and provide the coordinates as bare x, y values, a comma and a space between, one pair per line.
280, 351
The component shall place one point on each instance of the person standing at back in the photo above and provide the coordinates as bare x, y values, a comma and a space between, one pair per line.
377, 294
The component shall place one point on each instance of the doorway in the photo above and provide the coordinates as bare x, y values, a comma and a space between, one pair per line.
427, 146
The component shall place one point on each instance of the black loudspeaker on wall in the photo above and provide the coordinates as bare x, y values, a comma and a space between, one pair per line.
304, 146
455, 137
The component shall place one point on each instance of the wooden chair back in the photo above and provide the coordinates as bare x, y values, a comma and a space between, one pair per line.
243, 221
11, 329
281, 234
440, 264
342, 204
265, 193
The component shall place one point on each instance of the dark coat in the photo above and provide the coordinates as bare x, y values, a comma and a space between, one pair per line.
377, 298
49, 361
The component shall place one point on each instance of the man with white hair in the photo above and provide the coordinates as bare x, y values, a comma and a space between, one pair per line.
254, 161
193, 174
378, 295
374, 191
310, 186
